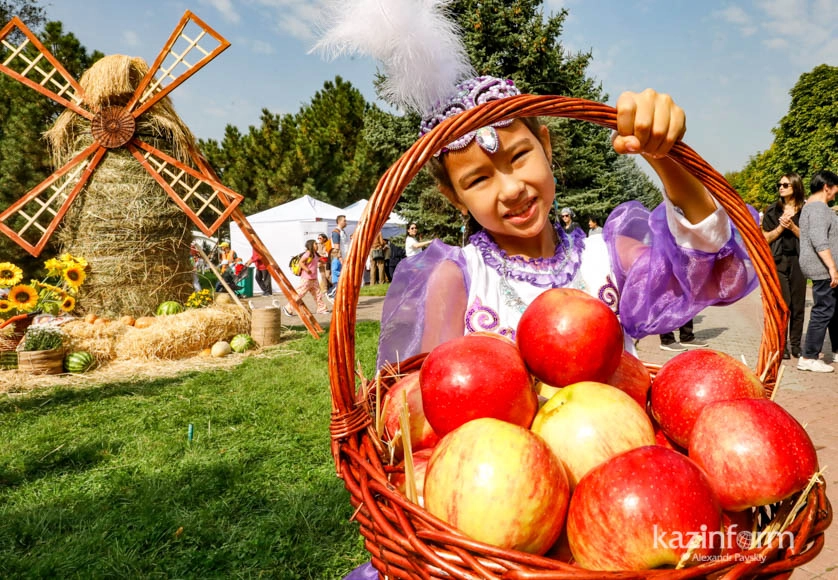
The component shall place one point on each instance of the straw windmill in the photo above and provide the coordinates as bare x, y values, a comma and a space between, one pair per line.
124, 156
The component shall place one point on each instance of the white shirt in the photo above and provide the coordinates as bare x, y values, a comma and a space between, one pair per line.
410, 248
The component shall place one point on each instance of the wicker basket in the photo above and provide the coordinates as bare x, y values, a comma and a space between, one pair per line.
9, 342
404, 540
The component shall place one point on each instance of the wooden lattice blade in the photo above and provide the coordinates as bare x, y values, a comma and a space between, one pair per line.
24, 58
191, 46
33, 218
207, 202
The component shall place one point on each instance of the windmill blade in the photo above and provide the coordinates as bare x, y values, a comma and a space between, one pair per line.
25, 59
33, 218
192, 39
207, 202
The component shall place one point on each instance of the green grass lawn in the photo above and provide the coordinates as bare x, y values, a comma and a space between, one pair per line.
101, 481
374, 290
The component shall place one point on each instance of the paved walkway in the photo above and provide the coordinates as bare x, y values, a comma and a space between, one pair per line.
736, 330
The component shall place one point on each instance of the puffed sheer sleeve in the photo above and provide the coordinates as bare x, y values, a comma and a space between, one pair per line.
425, 304
668, 270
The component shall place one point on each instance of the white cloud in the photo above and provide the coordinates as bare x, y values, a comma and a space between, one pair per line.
130, 38
225, 8
261, 47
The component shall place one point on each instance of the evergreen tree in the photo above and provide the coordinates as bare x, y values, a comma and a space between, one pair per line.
25, 115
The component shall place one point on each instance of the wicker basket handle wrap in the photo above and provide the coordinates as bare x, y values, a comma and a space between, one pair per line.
346, 416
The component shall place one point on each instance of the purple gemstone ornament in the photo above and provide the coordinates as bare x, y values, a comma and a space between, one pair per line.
467, 95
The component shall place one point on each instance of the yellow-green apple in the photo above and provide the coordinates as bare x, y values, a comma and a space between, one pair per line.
422, 435
500, 484
472, 377
640, 510
586, 423
690, 381
420, 468
753, 451
566, 336
632, 377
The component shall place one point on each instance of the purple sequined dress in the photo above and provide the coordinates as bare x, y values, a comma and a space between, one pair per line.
654, 269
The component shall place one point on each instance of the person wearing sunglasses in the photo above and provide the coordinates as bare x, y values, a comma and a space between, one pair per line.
412, 245
781, 228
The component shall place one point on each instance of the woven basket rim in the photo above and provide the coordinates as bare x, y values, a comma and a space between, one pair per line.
356, 450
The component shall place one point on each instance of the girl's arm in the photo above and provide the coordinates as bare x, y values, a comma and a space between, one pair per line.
650, 123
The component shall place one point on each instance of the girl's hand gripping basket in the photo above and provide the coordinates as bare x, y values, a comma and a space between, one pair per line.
406, 541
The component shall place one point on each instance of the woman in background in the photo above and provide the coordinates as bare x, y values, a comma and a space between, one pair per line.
780, 226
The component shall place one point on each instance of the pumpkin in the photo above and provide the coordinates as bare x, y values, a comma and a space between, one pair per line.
79, 362
144, 321
241, 343
206, 353
101, 321
223, 298
90, 318
127, 320
169, 307
221, 348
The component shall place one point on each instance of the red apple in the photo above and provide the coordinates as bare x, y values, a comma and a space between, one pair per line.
736, 533
420, 468
586, 423
566, 336
422, 435
664, 441
500, 484
472, 377
694, 379
753, 451
632, 377
640, 510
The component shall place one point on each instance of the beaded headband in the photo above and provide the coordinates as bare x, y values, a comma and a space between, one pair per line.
469, 94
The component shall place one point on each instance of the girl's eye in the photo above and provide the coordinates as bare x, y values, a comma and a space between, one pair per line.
519, 154
476, 181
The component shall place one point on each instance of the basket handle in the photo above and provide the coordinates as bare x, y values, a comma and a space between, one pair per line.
346, 416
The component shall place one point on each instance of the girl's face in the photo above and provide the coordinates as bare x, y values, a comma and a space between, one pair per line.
509, 192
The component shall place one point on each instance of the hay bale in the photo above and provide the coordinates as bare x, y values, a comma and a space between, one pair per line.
172, 337
135, 238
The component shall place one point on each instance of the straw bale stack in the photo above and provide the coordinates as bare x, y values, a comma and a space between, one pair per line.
134, 237
171, 337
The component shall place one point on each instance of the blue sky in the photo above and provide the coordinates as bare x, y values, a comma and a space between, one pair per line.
729, 64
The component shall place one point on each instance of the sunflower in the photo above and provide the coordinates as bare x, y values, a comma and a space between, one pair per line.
74, 276
5, 306
68, 304
53, 267
23, 297
9, 275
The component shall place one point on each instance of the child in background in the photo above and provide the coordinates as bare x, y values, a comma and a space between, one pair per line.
657, 270
308, 277
336, 267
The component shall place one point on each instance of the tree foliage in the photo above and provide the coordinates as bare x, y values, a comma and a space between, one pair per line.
805, 139
25, 114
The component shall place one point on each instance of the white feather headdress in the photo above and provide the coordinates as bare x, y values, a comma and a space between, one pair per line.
418, 46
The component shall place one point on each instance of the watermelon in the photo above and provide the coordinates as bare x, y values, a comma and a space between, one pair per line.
79, 362
242, 342
169, 307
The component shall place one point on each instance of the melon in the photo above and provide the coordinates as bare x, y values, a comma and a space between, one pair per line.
221, 348
169, 307
223, 298
79, 362
144, 321
242, 342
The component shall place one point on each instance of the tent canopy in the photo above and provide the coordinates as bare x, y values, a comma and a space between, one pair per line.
354, 211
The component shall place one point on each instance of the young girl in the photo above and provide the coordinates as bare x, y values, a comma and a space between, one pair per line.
308, 276
655, 270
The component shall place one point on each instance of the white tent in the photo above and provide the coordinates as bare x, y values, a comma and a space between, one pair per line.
285, 228
354, 211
